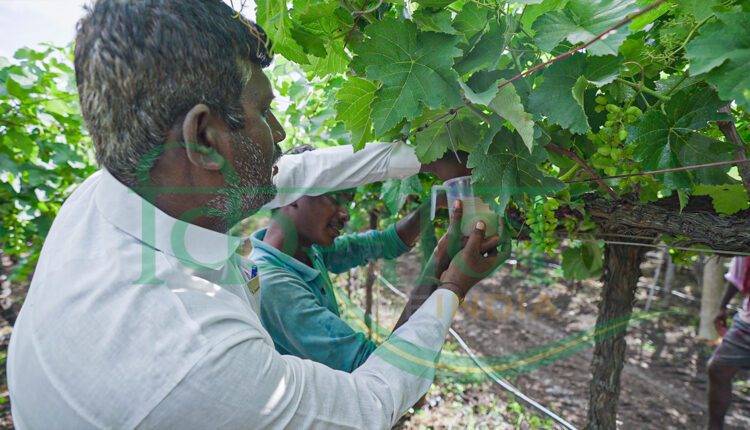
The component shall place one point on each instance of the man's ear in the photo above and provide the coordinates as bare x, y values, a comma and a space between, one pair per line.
201, 140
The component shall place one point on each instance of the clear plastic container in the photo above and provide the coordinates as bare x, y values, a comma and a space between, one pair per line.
475, 209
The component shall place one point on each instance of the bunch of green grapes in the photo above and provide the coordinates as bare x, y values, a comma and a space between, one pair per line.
542, 221
612, 156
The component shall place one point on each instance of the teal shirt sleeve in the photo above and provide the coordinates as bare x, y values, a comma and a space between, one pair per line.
299, 325
353, 250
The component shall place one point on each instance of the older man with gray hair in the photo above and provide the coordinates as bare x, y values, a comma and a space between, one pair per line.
141, 313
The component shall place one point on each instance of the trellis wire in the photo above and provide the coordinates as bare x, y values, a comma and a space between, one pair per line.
492, 375
660, 171
665, 246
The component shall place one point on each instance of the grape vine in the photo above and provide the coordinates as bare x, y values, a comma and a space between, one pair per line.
550, 98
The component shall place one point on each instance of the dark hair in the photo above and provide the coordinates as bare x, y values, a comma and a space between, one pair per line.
142, 64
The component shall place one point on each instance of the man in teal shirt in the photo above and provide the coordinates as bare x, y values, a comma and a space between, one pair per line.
296, 252
298, 306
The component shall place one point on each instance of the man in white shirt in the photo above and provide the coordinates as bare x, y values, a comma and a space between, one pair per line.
140, 312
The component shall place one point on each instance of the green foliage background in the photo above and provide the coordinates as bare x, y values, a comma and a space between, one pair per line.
44, 149
435, 73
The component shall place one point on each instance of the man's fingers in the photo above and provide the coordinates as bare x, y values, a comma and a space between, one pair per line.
473, 245
455, 221
490, 244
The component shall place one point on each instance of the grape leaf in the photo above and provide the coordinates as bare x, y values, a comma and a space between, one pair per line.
508, 105
726, 199
583, 261
485, 53
335, 62
700, 9
470, 20
434, 4
560, 96
273, 16
534, 11
640, 22
354, 107
722, 50
414, 67
663, 139
482, 98
316, 27
581, 21
395, 191
508, 170
459, 133
430, 20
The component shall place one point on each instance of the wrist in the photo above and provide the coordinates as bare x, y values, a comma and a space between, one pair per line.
454, 288
452, 284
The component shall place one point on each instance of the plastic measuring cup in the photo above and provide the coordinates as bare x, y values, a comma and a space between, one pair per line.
475, 209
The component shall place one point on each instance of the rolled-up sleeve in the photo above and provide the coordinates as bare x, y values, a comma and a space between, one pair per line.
340, 167
244, 383
353, 250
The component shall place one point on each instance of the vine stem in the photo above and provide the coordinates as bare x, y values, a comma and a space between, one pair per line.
580, 161
597, 38
546, 64
642, 88
669, 170
732, 135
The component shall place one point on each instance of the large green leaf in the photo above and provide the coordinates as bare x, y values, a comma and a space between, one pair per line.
471, 20
354, 108
727, 199
533, 11
700, 9
485, 53
317, 28
581, 21
273, 16
435, 4
560, 96
508, 105
722, 50
394, 192
667, 139
583, 261
460, 133
432, 20
508, 170
414, 67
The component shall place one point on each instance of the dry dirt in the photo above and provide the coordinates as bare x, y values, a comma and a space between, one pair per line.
520, 309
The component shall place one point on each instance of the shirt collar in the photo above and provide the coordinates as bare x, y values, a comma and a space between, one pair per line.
263, 252
192, 244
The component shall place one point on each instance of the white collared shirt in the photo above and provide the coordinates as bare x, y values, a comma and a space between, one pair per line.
136, 319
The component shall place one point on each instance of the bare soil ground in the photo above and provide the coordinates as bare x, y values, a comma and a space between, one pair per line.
522, 308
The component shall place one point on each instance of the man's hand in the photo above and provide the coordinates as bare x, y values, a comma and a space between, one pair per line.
720, 321
451, 243
449, 167
472, 264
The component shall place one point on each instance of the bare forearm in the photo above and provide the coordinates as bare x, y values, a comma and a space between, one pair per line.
426, 285
408, 227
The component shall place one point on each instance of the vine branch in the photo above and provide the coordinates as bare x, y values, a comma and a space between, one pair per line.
581, 162
730, 132
597, 38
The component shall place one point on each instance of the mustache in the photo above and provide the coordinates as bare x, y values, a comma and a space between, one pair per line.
276, 153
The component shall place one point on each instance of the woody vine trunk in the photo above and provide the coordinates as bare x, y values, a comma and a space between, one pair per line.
622, 270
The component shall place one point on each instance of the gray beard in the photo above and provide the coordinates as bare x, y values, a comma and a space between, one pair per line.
249, 187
